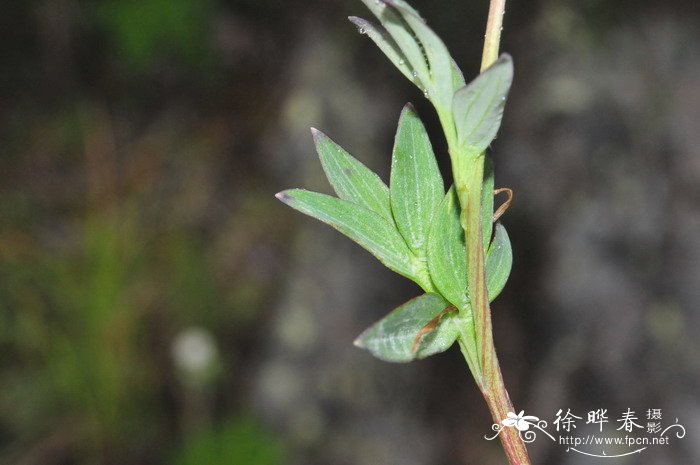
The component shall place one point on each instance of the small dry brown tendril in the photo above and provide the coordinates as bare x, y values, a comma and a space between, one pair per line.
430, 327
502, 209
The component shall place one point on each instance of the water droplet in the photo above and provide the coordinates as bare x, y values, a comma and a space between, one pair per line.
415, 74
401, 62
361, 30
426, 94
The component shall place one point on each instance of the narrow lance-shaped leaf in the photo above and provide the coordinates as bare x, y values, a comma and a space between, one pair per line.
363, 226
403, 5
478, 107
350, 179
395, 26
447, 256
389, 46
499, 262
416, 187
392, 338
439, 59
447, 253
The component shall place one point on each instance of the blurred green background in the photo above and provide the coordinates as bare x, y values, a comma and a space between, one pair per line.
159, 306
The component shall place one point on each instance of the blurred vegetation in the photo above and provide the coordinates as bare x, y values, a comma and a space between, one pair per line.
148, 31
96, 290
124, 288
158, 306
239, 442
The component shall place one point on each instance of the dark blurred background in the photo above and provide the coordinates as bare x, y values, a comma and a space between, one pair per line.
159, 306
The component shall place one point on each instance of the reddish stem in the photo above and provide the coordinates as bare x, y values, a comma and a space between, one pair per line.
499, 403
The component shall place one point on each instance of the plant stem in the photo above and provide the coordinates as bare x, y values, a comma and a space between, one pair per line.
492, 38
468, 172
469, 184
496, 397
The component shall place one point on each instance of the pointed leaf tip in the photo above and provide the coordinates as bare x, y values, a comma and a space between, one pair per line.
284, 197
358, 342
317, 135
361, 24
505, 57
409, 107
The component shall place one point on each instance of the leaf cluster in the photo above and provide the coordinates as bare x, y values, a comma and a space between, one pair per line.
413, 226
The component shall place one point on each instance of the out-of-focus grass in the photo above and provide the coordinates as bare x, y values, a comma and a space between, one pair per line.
95, 294
240, 441
144, 32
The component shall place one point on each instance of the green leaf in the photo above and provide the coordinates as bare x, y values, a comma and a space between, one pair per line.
389, 46
447, 252
363, 226
499, 261
402, 5
487, 201
416, 184
439, 60
396, 27
350, 179
447, 255
414, 49
392, 338
478, 107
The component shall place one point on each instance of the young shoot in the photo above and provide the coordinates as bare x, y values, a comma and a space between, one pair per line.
448, 241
